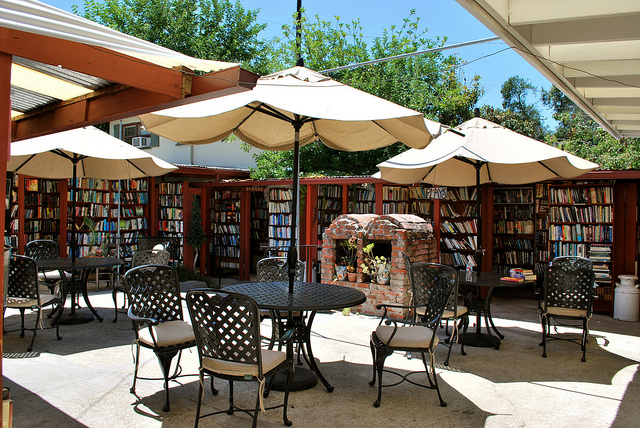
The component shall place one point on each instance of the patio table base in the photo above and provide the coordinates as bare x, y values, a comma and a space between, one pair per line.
302, 380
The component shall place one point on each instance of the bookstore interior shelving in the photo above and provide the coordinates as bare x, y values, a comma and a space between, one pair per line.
459, 227
513, 229
421, 204
362, 199
225, 222
279, 204
581, 224
170, 215
93, 201
329, 206
541, 238
12, 215
259, 221
395, 200
131, 197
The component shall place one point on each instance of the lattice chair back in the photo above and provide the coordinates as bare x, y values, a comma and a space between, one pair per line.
573, 261
274, 269
153, 292
429, 282
150, 257
23, 278
42, 249
226, 327
569, 287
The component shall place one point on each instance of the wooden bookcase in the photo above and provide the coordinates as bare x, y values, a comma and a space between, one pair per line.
133, 196
280, 204
225, 222
420, 204
581, 223
362, 198
329, 206
459, 228
171, 212
513, 228
541, 237
93, 200
259, 222
12, 219
395, 200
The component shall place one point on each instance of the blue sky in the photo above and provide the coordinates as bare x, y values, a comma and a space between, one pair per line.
444, 18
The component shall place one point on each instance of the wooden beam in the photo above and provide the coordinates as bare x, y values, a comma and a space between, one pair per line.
94, 61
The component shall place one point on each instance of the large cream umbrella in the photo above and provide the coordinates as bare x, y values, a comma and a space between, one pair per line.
83, 152
289, 109
478, 152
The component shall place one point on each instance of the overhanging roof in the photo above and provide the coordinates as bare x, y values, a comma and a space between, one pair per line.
589, 49
68, 71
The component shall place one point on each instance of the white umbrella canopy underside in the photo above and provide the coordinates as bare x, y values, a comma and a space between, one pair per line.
106, 157
342, 117
511, 158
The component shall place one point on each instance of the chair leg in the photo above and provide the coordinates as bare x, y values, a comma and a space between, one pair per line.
373, 355
114, 296
455, 329
435, 381
214, 391
585, 335
35, 330
432, 385
135, 370
230, 411
290, 373
381, 355
22, 318
200, 394
165, 364
545, 323
256, 409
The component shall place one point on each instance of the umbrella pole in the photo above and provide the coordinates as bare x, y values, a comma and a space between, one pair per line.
292, 255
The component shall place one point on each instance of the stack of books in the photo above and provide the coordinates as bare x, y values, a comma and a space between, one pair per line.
524, 274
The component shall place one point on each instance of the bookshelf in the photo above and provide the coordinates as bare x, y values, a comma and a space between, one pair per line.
133, 196
93, 201
329, 206
362, 199
170, 215
12, 219
420, 204
459, 227
541, 236
581, 224
259, 222
41, 210
513, 228
395, 200
279, 204
225, 222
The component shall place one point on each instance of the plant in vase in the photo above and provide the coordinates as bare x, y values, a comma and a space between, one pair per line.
350, 249
377, 267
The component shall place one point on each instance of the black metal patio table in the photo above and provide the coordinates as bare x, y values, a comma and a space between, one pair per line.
80, 268
306, 296
483, 307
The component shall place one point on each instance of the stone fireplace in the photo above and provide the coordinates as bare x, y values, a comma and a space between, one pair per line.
392, 235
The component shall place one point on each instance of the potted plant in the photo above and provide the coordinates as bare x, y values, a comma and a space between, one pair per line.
350, 249
196, 237
377, 267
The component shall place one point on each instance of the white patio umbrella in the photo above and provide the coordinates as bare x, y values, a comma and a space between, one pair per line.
289, 109
83, 152
478, 152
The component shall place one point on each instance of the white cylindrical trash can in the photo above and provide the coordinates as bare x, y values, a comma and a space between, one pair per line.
626, 306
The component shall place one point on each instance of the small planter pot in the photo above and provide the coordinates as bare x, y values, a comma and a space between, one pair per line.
353, 276
341, 273
383, 276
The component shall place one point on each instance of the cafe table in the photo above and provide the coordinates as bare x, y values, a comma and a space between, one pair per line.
80, 268
308, 297
482, 307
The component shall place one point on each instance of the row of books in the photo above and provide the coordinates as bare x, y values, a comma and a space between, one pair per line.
125, 224
226, 194
458, 259
541, 237
542, 190
172, 226
581, 232
513, 257
467, 226
513, 212
509, 242
279, 194
395, 193
41, 199
326, 218
171, 188
280, 207
135, 185
171, 213
226, 228
330, 191
462, 194
128, 212
513, 196
226, 217
395, 208
131, 198
582, 195
225, 249
92, 210
41, 212
49, 226
521, 227
468, 243
38, 185
421, 207
585, 214
280, 219
329, 204
361, 207
279, 232
567, 249
362, 194
89, 196
89, 183
226, 240
170, 200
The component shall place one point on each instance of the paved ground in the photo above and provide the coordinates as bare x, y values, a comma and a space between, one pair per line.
84, 379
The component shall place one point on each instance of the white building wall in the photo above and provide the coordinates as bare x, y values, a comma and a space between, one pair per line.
219, 154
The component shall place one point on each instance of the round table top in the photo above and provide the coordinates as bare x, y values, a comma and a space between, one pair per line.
66, 263
492, 279
306, 296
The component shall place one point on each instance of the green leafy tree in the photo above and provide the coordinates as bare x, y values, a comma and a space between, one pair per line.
209, 29
577, 133
430, 83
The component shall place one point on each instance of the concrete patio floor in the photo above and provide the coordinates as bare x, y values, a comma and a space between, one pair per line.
84, 379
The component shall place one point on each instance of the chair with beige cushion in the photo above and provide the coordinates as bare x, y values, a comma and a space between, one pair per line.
394, 334
155, 309
568, 296
23, 293
140, 258
227, 331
